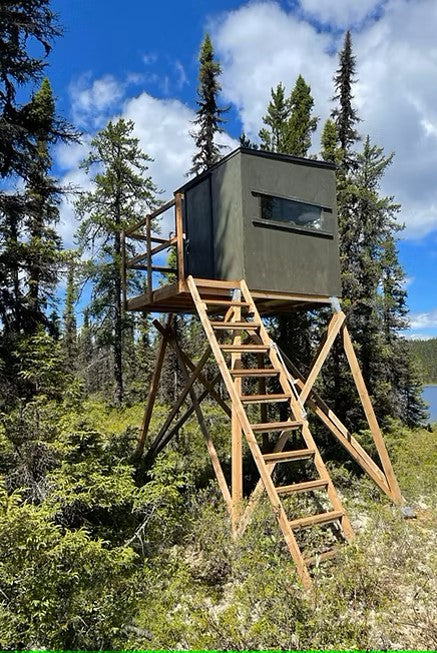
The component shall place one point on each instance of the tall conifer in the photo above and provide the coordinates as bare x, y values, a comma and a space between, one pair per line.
208, 119
122, 194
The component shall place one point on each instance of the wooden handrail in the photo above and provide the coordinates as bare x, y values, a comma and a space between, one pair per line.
150, 216
144, 260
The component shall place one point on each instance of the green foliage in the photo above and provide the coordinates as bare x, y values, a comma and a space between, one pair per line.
425, 353
59, 589
208, 119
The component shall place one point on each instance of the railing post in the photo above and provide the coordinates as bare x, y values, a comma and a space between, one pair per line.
180, 239
149, 259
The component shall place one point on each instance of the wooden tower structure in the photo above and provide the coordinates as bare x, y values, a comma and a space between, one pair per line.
253, 236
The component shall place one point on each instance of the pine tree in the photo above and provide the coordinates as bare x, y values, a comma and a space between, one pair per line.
344, 114
42, 247
122, 194
208, 115
300, 123
274, 137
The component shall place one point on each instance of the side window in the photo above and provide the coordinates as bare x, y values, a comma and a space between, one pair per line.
293, 212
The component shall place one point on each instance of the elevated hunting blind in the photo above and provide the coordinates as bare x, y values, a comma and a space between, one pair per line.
255, 235
267, 218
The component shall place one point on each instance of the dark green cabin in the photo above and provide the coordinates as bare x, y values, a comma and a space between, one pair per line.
267, 218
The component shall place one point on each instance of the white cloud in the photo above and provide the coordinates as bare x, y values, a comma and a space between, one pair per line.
260, 44
424, 320
340, 13
92, 98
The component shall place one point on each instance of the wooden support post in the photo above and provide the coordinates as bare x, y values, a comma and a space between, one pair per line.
183, 418
371, 417
153, 389
339, 430
179, 240
237, 441
149, 259
185, 392
334, 327
208, 440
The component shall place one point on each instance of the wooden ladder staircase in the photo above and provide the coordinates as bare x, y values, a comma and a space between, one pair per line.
237, 317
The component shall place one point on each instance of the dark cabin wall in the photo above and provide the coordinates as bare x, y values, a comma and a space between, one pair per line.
280, 258
227, 210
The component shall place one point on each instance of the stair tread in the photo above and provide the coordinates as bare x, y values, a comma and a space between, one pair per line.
245, 348
326, 555
254, 399
276, 426
302, 487
284, 456
322, 518
242, 371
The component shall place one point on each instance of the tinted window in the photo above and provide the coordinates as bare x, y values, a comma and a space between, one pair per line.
299, 214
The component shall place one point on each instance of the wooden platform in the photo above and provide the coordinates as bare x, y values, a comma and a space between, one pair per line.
176, 298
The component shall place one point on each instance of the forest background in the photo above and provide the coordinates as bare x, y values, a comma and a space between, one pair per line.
93, 551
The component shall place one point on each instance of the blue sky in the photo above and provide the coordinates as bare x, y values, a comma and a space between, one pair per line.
139, 59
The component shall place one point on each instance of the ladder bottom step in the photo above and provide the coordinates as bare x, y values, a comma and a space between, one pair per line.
312, 520
301, 487
326, 555
285, 456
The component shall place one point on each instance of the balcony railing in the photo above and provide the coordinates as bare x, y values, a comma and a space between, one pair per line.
143, 232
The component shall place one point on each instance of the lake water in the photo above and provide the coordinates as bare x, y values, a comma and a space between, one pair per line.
430, 396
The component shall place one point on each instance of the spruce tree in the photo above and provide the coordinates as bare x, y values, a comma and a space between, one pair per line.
42, 247
273, 137
208, 119
344, 113
300, 123
122, 194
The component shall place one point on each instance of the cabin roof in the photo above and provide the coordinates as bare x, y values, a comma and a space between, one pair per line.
314, 163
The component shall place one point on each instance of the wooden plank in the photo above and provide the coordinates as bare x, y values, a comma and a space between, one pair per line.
233, 326
149, 261
180, 236
234, 309
171, 432
285, 456
245, 349
305, 486
205, 432
165, 245
313, 520
248, 372
153, 389
224, 302
183, 395
251, 440
371, 418
333, 329
161, 209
